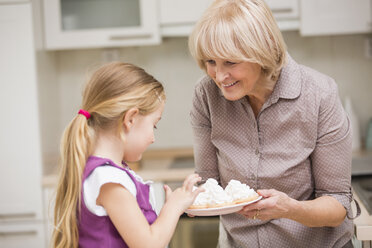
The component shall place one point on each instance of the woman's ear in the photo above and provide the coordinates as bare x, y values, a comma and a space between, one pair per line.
130, 118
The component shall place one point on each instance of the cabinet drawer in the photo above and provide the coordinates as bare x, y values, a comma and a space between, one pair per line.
284, 9
328, 17
19, 234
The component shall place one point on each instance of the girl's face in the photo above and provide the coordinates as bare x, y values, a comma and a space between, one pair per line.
141, 134
235, 79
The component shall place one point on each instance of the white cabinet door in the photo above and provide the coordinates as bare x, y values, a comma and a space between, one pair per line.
286, 13
49, 194
72, 24
20, 166
326, 17
23, 234
181, 11
284, 9
177, 17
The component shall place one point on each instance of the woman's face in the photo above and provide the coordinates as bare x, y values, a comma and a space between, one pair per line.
235, 79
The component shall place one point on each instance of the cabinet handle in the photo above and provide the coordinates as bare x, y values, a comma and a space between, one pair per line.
284, 10
124, 37
17, 216
18, 233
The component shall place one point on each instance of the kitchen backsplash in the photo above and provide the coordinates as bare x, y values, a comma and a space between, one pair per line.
341, 57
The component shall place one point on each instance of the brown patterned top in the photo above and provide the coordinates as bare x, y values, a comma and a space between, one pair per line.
299, 144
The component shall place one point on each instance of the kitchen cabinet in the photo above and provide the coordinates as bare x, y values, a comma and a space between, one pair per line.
72, 24
49, 194
24, 234
363, 224
177, 17
286, 13
332, 17
20, 186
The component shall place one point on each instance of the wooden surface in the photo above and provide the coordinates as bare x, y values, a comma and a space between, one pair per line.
168, 153
168, 175
157, 173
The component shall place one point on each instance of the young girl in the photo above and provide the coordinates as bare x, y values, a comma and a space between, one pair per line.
100, 202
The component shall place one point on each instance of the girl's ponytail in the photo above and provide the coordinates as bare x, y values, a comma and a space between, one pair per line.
75, 146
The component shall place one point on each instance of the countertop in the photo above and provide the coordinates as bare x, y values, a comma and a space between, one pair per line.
158, 165
363, 224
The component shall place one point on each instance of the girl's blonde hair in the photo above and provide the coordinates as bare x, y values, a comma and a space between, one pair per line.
111, 91
239, 30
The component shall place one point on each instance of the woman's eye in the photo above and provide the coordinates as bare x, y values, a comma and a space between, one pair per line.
210, 61
230, 63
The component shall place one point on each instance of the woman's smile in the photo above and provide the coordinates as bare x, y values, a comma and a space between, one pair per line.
229, 85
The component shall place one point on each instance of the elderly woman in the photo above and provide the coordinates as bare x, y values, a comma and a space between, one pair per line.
278, 126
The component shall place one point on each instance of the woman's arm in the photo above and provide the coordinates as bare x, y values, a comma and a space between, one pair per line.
127, 217
322, 211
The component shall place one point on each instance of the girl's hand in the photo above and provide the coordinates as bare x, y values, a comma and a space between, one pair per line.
184, 196
275, 205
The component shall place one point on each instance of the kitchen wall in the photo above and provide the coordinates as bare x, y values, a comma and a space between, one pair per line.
341, 57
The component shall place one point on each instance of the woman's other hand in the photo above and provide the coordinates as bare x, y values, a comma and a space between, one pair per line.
184, 196
274, 205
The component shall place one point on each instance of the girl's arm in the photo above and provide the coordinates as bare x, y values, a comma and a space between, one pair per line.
127, 217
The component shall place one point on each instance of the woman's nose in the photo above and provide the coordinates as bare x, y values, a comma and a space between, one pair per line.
221, 75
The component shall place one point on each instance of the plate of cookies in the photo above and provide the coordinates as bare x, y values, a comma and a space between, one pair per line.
218, 201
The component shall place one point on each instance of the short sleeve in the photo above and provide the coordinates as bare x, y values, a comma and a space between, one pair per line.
100, 176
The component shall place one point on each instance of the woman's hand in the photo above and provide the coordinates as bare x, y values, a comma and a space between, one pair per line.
274, 205
319, 212
184, 196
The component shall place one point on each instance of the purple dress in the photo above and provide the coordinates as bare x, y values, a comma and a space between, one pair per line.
99, 231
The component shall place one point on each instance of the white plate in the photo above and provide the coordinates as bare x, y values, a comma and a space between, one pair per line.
220, 211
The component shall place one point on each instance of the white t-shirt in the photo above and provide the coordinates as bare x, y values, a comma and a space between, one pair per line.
110, 174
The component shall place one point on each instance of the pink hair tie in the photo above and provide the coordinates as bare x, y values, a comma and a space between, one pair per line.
85, 113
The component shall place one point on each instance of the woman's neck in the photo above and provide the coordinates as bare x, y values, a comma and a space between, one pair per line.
260, 94
109, 146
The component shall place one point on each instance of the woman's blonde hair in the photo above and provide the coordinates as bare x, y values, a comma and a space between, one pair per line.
111, 91
239, 30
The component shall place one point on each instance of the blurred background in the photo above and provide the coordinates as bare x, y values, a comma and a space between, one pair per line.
49, 47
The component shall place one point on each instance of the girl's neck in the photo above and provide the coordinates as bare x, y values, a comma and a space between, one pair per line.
109, 146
